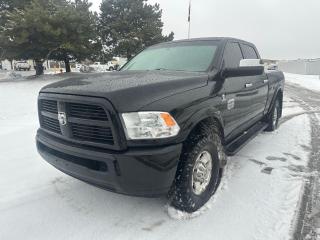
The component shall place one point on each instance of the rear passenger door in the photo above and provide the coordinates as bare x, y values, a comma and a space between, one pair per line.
238, 96
259, 83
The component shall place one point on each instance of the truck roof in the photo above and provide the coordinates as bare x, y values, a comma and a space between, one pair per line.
222, 39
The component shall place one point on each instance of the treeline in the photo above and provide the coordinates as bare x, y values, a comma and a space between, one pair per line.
67, 30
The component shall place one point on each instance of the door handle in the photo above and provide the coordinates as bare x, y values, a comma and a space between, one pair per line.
248, 85
265, 81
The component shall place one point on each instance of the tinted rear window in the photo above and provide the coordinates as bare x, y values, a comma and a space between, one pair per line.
249, 52
232, 55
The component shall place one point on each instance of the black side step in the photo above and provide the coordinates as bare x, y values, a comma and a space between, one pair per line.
233, 147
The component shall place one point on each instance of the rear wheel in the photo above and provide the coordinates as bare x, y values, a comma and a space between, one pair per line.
273, 119
198, 171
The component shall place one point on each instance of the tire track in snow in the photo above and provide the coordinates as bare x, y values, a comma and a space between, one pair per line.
308, 223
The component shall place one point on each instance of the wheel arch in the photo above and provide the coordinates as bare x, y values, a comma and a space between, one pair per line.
208, 117
280, 95
276, 95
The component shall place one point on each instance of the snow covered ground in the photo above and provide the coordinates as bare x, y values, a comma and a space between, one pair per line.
258, 198
311, 82
9, 76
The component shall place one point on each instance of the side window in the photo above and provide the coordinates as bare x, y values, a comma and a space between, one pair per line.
249, 52
232, 55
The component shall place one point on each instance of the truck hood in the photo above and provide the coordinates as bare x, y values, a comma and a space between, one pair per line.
129, 90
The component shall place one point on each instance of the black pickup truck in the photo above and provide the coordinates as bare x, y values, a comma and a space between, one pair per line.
165, 123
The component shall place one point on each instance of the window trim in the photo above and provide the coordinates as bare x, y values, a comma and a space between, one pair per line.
254, 49
222, 65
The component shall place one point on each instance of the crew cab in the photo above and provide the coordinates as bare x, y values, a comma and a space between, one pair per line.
165, 123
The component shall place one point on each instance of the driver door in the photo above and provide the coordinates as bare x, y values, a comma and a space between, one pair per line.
238, 93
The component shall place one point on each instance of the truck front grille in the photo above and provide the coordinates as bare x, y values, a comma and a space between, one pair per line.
87, 111
85, 123
92, 133
49, 106
51, 124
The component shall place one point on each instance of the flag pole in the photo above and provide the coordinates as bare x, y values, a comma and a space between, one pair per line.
189, 19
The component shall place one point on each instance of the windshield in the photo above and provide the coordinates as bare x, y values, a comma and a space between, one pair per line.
187, 56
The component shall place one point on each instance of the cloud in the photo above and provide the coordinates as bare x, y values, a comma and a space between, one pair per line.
281, 29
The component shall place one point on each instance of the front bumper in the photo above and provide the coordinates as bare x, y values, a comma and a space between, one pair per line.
139, 172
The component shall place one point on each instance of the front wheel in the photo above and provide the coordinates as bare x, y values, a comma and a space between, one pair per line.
273, 119
198, 171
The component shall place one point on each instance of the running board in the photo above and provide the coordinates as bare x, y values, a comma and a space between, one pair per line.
233, 147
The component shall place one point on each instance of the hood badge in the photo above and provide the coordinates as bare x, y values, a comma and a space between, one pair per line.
62, 117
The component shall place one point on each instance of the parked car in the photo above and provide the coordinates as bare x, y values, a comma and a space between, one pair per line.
165, 122
86, 69
22, 65
78, 66
97, 66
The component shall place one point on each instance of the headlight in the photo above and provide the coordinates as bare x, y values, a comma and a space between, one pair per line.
149, 125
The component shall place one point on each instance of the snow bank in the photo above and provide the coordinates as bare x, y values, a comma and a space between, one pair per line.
5, 75
9, 76
179, 215
311, 82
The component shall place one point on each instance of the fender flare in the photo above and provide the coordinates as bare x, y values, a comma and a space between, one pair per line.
199, 116
274, 97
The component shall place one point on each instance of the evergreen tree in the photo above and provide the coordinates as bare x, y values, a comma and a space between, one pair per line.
55, 29
128, 26
7, 6
78, 38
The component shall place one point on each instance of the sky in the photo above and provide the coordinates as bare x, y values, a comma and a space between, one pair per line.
281, 29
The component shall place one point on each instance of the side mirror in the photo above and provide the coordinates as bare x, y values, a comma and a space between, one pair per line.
247, 67
250, 63
242, 71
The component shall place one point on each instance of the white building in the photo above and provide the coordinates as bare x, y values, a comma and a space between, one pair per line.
6, 65
301, 66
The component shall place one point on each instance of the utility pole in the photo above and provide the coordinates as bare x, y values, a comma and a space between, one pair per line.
189, 19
